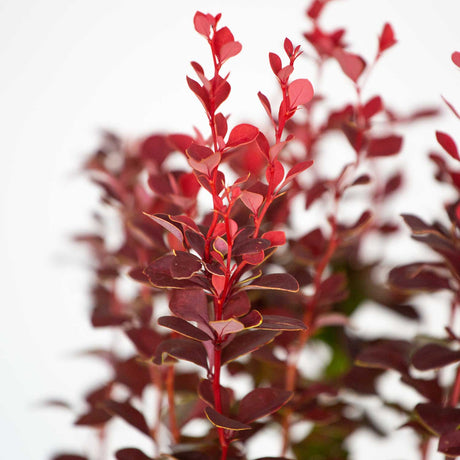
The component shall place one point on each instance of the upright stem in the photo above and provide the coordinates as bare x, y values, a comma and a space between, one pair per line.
171, 404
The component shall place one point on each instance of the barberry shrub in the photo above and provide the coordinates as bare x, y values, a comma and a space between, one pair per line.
242, 253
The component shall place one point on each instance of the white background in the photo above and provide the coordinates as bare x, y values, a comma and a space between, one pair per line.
72, 67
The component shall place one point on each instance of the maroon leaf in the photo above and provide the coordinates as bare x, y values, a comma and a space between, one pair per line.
448, 144
129, 414
434, 356
250, 246
94, 417
300, 92
188, 350
206, 393
281, 323
183, 327
145, 339
131, 453
165, 221
69, 457
246, 342
227, 326
238, 305
222, 421
262, 402
417, 277
449, 443
438, 419
276, 281
384, 146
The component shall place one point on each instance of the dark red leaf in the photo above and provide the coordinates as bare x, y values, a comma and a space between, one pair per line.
238, 305
385, 355
387, 38
242, 134
384, 146
206, 393
361, 180
448, 144
222, 421
246, 342
69, 457
262, 402
250, 246
277, 281
417, 277
188, 350
300, 92
393, 184
434, 356
227, 326
165, 221
129, 414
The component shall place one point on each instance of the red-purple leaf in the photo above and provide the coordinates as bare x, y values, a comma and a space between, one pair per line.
206, 393
242, 134
222, 421
448, 144
281, 323
238, 305
262, 402
384, 146
250, 246
456, 58
387, 38
385, 355
277, 281
246, 342
165, 221
300, 92
69, 457
145, 339
188, 350
183, 327
434, 356
190, 304
129, 414
351, 64
184, 265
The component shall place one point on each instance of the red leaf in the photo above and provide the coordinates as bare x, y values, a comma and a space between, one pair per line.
437, 418
296, 170
227, 326
129, 414
145, 339
266, 103
276, 281
386, 355
200, 92
250, 246
252, 200
288, 47
229, 50
165, 221
183, 327
373, 106
275, 62
262, 402
246, 342
300, 92
351, 64
237, 305
184, 265
384, 146
203, 23
94, 417
448, 144
69, 457
222, 421
451, 107
276, 237
387, 38
456, 58
434, 356
242, 134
